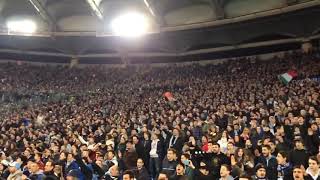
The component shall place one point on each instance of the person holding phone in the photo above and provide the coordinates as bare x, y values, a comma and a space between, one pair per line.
188, 166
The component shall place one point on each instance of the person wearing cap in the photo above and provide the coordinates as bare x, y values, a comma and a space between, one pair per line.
261, 172
203, 172
15, 172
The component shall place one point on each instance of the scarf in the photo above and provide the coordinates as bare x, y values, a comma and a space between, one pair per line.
174, 141
283, 170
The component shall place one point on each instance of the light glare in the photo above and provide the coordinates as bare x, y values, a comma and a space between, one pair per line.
22, 26
130, 25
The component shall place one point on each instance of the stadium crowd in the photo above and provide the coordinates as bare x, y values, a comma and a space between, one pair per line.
234, 120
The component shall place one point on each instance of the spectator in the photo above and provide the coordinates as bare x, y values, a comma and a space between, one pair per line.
284, 167
170, 162
225, 172
313, 171
180, 173
269, 161
203, 172
298, 173
261, 172
163, 176
217, 159
37, 158
130, 157
15, 172
113, 173
138, 147
36, 173
174, 140
71, 163
141, 172
48, 171
299, 155
156, 154
188, 166
128, 175
146, 148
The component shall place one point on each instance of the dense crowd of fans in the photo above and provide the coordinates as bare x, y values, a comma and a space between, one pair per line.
234, 120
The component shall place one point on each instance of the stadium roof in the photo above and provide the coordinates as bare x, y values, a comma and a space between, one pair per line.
181, 29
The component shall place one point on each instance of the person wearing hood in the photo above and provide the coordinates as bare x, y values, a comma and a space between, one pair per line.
261, 172
15, 172
112, 174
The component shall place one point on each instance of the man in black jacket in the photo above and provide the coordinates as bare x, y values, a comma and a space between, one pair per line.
260, 172
169, 164
48, 171
141, 172
112, 174
215, 159
299, 155
174, 140
138, 146
269, 161
130, 157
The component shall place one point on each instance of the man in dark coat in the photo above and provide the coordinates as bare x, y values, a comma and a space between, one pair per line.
269, 161
48, 171
170, 162
130, 157
141, 172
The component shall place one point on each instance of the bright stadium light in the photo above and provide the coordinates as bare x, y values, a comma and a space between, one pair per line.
22, 26
130, 25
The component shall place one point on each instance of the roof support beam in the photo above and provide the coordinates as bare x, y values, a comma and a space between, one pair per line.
217, 6
95, 8
44, 14
154, 12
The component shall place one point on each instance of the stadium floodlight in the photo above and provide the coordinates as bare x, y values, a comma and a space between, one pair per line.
22, 26
130, 25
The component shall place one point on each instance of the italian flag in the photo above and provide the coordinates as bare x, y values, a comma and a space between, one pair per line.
287, 77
